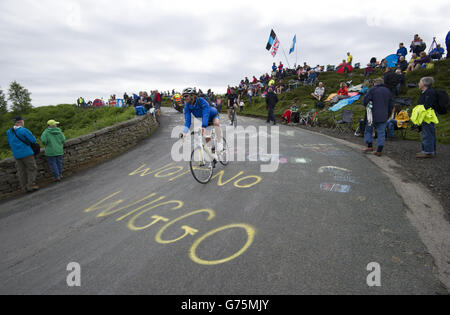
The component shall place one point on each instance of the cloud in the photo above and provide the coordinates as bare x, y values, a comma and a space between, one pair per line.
60, 50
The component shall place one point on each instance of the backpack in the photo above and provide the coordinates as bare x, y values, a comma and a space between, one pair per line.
442, 105
320, 104
140, 110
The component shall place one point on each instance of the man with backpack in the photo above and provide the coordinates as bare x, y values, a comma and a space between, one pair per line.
20, 140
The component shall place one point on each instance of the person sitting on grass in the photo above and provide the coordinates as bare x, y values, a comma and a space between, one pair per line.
402, 64
419, 63
411, 62
280, 87
319, 92
398, 120
370, 67
341, 94
312, 76
290, 113
437, 53
383, 64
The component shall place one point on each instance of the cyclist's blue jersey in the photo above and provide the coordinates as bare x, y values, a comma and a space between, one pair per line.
201, 109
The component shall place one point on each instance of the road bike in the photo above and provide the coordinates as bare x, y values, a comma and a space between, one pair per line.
233, 116
204, 157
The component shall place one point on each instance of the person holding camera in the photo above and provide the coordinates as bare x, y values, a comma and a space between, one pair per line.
20, 140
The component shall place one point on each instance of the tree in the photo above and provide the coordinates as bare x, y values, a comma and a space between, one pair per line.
19, 97
3, 103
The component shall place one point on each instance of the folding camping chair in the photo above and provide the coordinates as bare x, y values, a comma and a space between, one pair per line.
303, 118
314, 119
345, 123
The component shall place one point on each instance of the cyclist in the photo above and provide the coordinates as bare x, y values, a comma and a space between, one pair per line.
200, 108
177, 100
232, 103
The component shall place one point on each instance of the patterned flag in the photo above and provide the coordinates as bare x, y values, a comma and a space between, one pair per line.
294, 41
272, 38
275, 47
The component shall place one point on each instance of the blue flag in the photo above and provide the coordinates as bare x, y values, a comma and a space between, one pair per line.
272, 38
294, 41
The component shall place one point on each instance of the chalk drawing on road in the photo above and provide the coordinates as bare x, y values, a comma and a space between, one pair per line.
345, 178
323, 169
323, 149
335, 188
340, 174
263, 157
298, 160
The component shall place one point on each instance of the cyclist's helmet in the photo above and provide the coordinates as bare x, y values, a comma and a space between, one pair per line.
189, 91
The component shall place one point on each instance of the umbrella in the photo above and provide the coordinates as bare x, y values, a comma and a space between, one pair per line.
391, 61
344, 67
97, 103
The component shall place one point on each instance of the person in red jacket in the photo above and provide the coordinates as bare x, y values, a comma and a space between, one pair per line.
341, 94
343, 89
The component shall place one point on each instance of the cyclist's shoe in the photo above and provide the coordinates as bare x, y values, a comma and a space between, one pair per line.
231, 123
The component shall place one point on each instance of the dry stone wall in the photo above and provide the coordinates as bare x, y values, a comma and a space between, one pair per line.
82, 152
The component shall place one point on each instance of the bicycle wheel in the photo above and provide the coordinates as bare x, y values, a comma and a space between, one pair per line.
234, 118
201, 165
224, 155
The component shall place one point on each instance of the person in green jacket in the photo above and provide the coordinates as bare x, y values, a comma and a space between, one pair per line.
54, 139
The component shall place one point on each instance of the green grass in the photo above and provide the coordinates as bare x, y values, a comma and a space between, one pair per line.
331, 81
74, 121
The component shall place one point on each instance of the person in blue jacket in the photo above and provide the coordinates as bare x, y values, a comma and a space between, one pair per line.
200, 108
402, 51
447, 42
437, 52
23, 154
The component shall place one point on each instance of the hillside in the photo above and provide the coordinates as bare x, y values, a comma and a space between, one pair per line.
331, 81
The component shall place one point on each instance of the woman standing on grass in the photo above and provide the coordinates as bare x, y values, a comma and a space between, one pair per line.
54, 139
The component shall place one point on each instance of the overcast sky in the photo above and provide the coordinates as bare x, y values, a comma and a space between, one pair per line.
60, 50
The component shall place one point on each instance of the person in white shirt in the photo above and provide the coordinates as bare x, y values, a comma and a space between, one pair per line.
319, 92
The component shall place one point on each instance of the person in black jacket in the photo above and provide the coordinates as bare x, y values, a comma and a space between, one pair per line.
428, 98
271, 102
382, 102
391, 80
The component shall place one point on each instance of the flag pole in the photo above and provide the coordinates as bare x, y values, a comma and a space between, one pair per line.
287, 60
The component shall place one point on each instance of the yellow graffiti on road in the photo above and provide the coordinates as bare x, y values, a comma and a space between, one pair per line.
174, 172
131, 224
108, 207
188, 230
250, 237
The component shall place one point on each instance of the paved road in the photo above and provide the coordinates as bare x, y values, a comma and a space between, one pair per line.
140, 224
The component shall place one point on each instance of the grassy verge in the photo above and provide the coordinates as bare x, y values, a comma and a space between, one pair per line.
74, 121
